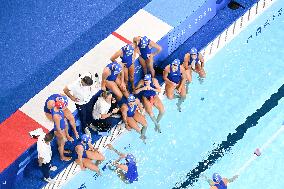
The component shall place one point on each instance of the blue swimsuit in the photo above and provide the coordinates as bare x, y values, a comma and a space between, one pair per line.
149, 93
131, 111
190, 61
62, 121
126, 59
174, 76
52, 97
132, 174
113, 75
221, 185
144, 49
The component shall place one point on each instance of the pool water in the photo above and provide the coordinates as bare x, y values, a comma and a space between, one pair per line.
240, 78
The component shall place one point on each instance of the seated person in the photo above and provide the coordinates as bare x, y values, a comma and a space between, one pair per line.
126, 172
131, 116
146, 57
149, 87
101, 115
60, 129
113, 79
127, 56
194, 61
85, 153
49, 105
174, 77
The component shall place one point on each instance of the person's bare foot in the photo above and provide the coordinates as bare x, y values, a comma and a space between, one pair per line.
158, 128
143, 138
110, 146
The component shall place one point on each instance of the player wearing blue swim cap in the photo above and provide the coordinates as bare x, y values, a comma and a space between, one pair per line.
131, 116
113, 79
86, 153
193, 61
217, 182
127, 55
144, 47
127, 172
149, 88
175, 78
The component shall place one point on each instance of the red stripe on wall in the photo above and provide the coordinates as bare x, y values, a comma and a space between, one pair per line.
121, 38
15, 138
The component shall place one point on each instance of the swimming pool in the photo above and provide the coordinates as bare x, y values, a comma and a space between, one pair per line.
241, 77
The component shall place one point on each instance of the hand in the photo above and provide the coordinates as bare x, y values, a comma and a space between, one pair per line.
174, 84
110, 146
77, 135
69, 138
122, 155
115, 110
75, 99
113, 100
171, 83
148, 87
150, 56
123, 86
39, 163
235, 177
103, 88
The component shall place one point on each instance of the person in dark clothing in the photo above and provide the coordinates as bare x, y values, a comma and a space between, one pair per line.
103, 112
82, 93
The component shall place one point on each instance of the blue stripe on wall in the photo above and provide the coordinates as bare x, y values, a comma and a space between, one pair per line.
209, 31
39, 40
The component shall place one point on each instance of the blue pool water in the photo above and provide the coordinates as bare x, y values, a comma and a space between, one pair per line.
241, 78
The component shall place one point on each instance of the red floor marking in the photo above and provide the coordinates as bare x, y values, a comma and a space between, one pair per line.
121, 38
15, 138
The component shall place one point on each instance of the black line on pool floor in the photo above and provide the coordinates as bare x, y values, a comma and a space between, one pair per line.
232, 139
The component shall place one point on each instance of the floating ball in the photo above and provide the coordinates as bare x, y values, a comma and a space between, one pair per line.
257, 152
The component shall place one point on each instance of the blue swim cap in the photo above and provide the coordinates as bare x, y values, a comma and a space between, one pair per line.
128, 50
147, 77
144, 41
176, 62
131, 98
130, 158
117, 68
216, 177
193, 50
85, 138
